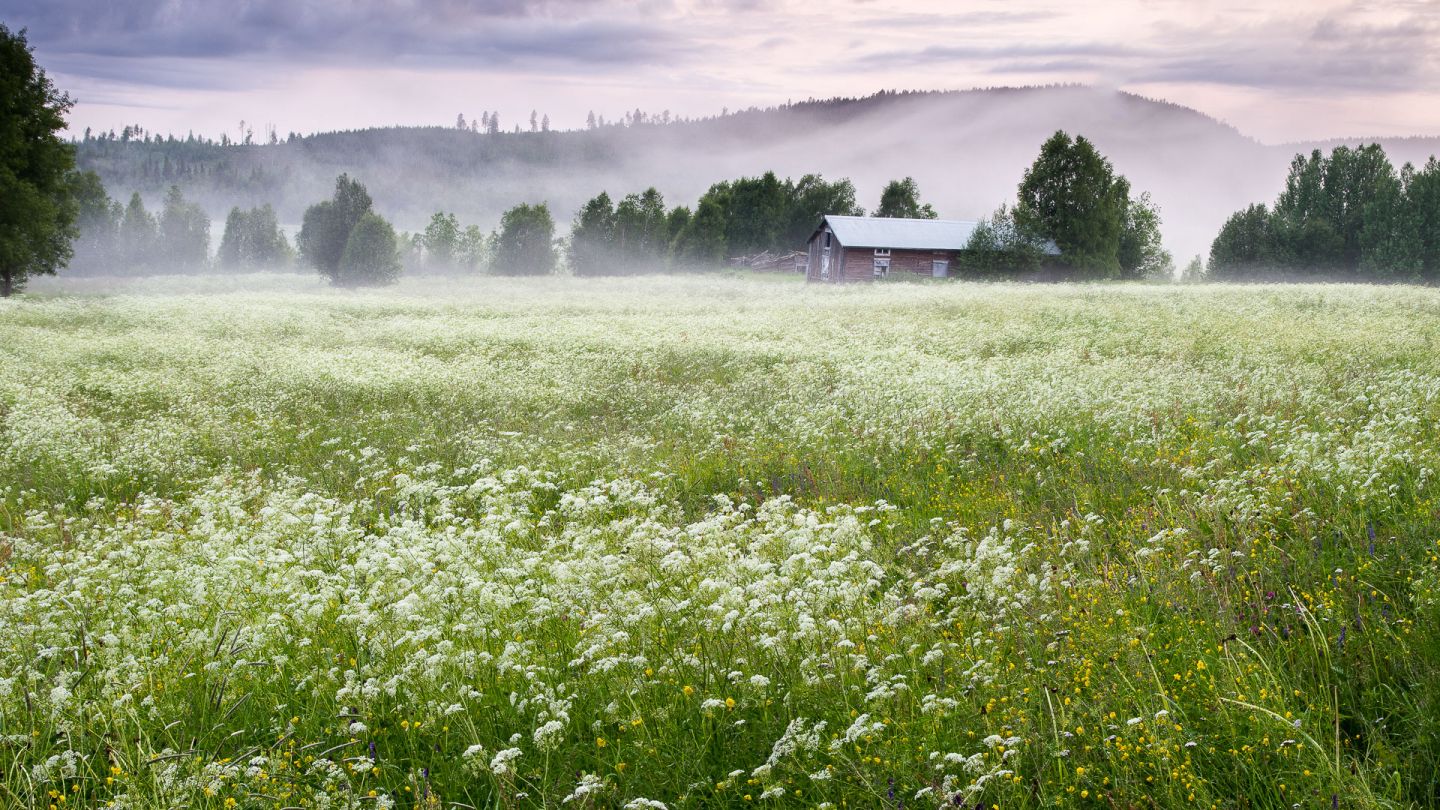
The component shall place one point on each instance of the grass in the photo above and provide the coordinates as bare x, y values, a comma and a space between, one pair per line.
718, 542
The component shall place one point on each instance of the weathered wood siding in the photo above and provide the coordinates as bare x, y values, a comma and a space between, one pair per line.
860, 262
817, 253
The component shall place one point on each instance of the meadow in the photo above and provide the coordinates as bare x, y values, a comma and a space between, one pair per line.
719, 542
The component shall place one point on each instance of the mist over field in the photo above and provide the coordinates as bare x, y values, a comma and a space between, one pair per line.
968, 151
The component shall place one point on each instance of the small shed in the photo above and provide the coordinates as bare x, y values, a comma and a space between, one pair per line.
867, 248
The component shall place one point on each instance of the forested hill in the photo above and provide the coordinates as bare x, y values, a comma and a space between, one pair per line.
966, 149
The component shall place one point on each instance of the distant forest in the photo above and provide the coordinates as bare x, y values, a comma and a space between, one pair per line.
967, 149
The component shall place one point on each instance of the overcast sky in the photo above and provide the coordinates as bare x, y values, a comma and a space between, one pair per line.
1276, 69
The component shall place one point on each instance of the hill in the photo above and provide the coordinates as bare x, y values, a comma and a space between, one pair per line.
967, 149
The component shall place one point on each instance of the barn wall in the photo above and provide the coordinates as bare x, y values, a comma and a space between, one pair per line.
816, 249
860, 263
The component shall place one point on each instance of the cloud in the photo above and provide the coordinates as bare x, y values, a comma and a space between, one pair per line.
87, 36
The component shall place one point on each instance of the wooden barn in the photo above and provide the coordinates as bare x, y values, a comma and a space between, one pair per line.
867, 248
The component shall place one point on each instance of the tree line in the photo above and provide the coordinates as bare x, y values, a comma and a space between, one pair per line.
1349, 215
116, 239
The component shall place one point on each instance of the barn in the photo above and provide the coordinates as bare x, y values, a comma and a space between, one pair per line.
867, 248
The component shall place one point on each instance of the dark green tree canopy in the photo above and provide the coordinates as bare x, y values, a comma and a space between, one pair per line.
1141, 252
371, 256
326, 228
1244, 246
525, 243
37, 213
1072, 195
1346, 215
592, 237
901, 199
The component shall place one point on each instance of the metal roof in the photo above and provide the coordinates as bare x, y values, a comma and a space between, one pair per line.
905, 234
909, 234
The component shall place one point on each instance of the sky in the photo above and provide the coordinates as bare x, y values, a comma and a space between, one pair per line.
1278, 70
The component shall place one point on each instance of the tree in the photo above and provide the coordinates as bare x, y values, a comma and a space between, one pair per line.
253, 241
139, 238
441, 240
592, 237
37, 212
999, 245
1391, 244
97, 222
1423, 194
812, 198
371, 257
755, 214
1193, 272
1141, 253
1348, 213
1072, 195
701, 240
1245, 245
470, 253
901, 199
326, 227
184, 233
525, 243
640, 236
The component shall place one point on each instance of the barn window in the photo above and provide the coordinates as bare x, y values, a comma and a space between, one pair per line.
882, 267
827, 239
882, 251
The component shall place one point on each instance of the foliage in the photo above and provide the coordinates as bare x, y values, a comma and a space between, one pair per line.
525, 243
1245, 246
184, 234
1072, 195
999, 246
97, 224
441, 241
1193, 272
327, 225
702, 240
495, 543
139, 236
901, 198
253, 241
592, 238
1346, 215
37, 214
1141, 252
809, 199
371, 257
633, 237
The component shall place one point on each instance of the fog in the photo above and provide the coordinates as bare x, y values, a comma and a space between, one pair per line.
967, 150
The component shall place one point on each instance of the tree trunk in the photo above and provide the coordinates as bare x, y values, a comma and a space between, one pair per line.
5, 286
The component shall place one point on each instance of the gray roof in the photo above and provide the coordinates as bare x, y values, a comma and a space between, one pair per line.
906, 234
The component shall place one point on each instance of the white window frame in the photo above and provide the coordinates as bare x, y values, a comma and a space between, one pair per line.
882, 253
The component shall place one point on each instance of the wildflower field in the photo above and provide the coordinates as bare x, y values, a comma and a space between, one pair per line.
719, 542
